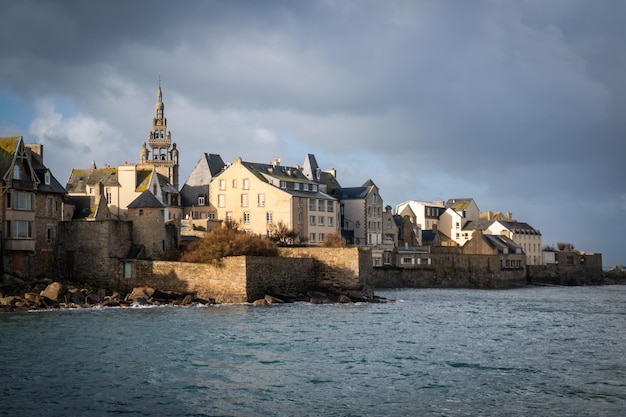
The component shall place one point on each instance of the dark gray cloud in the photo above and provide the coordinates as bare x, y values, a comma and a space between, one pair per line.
517, 104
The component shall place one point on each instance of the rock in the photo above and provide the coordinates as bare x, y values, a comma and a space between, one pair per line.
10, 300
316, 300
140, 292
92, 299
272, 300
344, 299
77, 297
140, 301
189, 299
54, 291
260, 303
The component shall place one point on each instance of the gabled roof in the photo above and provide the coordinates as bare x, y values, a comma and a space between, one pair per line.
501, 242
81, 178
519, 227
353, 193
197, 184
146, 200
54, 186
279, 172
312, 171
459, 204
477, 225
8, 146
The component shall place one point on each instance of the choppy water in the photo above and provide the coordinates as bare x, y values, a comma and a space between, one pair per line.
532, 351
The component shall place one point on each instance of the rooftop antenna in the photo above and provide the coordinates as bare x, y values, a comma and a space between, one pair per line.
159, 80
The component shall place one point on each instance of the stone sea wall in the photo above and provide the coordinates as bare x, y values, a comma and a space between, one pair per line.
247, 278
451, 271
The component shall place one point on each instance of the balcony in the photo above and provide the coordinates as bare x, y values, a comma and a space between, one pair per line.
19, 245
22, 184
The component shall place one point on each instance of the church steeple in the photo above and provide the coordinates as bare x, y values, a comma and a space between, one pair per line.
159, 141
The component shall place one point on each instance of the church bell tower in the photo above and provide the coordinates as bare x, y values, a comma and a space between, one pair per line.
162, 153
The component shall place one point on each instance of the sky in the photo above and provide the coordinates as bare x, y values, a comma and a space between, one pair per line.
520, 105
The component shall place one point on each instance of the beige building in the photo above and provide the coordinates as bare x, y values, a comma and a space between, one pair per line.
260, 196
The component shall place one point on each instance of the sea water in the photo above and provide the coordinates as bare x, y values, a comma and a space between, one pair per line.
433, 352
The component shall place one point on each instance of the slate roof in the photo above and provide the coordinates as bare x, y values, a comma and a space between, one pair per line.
311, 170
40, 169
146, 200
197, 184
81, 178
520, 227
351, 193
501, 242
279, 172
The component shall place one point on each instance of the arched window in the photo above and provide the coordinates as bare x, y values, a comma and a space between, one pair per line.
16, 172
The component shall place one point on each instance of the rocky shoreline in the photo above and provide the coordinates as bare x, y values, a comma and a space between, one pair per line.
21, 296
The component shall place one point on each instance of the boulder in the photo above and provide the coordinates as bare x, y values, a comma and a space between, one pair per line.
77, 297
272, 300
92, 299
54, 291
10, 300
260, 303
140, 292
189, 299
344, 299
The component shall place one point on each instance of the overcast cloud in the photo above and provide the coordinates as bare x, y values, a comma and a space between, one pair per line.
517, 104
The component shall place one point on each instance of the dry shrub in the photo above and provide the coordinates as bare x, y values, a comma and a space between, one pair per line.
228, 241
334, 240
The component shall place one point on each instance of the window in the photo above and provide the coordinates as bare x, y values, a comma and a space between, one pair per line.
269, 233
162, 213
201, 201
261, 200
235, 183
222, 184
283, 184
220, 200
314, 187
321, 220
16, 172
299, 217
312, 204
330, 221
244, 200
19, 229
229, 216
90, 190
50, 234
211, 216
312, 237
46, 179
108, 195
141, 212
330, 206
246, 184
22, 201
457, 225
312, 220
321, 237
299, 201
269, 217
246, 217
305, 187
406, 261
296, 185
320, 205
374, 198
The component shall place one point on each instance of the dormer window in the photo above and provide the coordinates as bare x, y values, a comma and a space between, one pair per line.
47, 178
201, 201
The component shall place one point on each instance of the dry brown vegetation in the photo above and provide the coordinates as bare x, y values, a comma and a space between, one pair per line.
228, 241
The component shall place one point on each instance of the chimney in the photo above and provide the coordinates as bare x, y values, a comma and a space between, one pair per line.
37, 149
509, 216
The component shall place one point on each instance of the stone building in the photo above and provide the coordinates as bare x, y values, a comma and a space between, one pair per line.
32, 205
198, 213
